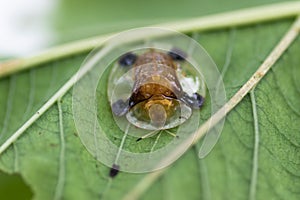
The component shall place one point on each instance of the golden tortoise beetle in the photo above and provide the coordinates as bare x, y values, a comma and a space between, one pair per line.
158, 99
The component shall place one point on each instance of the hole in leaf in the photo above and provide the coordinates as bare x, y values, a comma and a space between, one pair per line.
12, 186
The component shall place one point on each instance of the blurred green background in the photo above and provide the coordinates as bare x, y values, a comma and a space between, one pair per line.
30, 26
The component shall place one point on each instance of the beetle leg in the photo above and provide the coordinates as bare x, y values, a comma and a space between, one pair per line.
148, 135
195, 101
120, 107
172, 134
127, 59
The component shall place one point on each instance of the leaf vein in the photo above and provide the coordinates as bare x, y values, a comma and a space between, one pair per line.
294, 144
253, 183
11, 92
205, 185
31, 93
61, 172
293, 174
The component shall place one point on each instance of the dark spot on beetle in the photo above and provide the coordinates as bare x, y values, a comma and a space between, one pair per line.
120, 107
182, 117
195, 101
177, 54
127, 59
40, 133
114, 170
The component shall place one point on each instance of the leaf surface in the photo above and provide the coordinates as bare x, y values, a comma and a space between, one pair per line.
225, 174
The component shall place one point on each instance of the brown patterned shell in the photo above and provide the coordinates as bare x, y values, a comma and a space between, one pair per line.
155, 77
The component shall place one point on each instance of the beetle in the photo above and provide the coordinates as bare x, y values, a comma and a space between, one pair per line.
158, 100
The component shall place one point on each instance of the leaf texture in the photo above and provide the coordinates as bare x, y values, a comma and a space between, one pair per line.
53, 161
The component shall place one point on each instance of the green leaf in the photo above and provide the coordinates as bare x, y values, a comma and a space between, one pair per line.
227, 173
